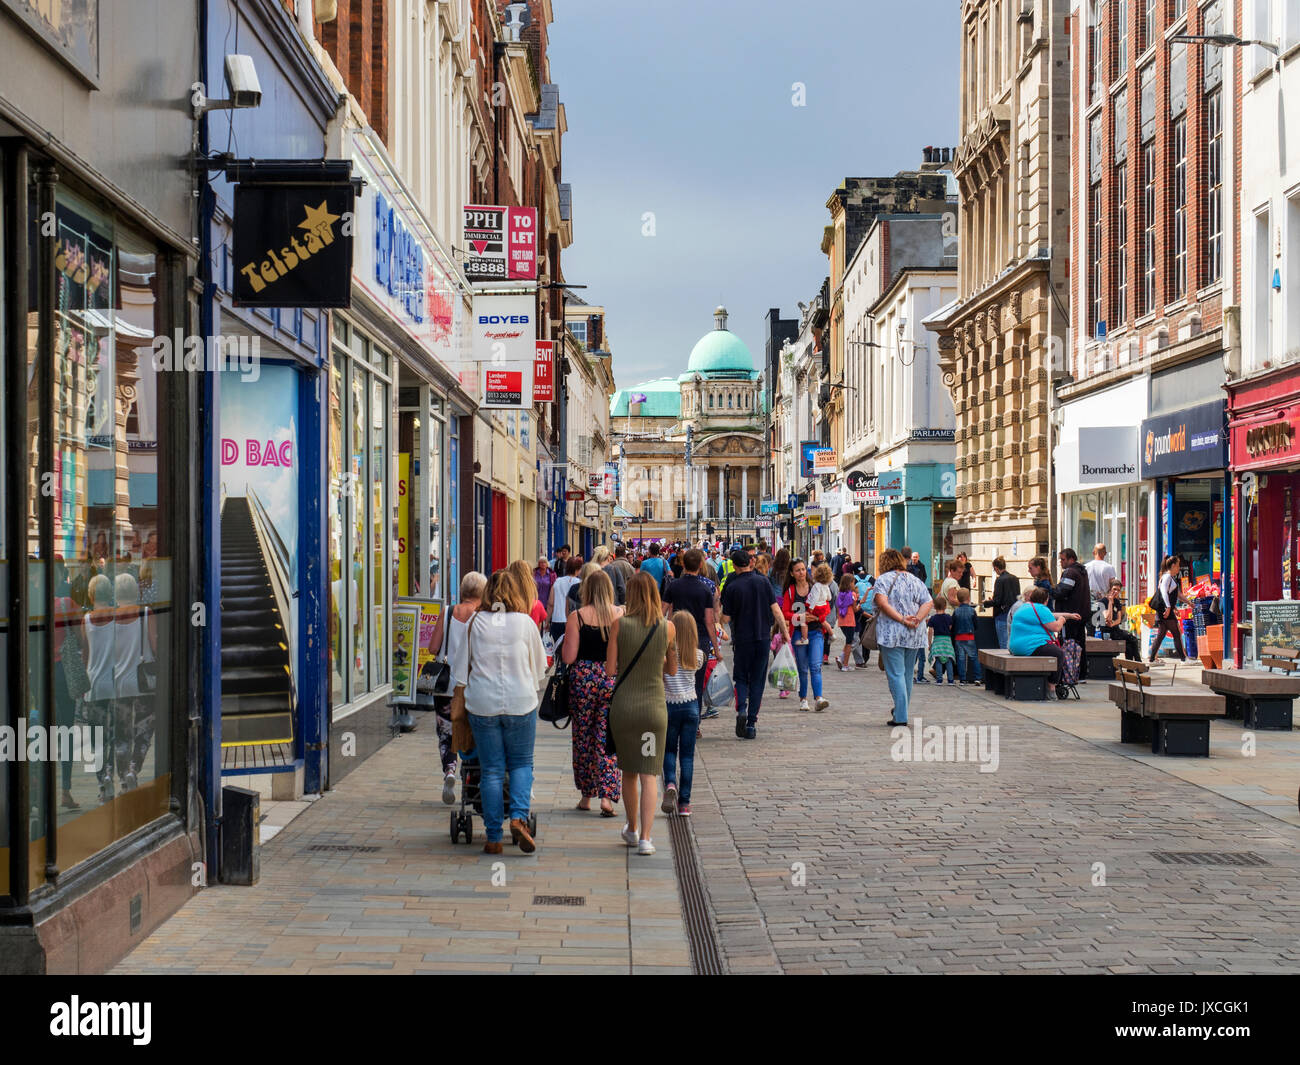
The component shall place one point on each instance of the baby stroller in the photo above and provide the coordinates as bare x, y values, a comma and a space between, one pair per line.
471, 800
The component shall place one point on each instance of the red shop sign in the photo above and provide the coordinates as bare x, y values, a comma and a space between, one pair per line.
1267, 439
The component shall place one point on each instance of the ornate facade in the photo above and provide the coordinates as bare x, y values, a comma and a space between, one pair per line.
691, 448
1002, 340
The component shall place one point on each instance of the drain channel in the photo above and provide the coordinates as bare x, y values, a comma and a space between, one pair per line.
705, 959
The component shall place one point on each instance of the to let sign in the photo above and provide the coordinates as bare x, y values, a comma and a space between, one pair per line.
544, 372
501, 243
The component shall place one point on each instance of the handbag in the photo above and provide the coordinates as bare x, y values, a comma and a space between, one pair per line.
610, 747
555, 700
146, 672
869, 641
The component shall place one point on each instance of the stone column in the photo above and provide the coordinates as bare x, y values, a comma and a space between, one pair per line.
744, 493
722, 499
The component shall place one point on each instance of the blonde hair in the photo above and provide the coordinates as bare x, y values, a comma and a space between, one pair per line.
588, 568
643, 599
522, 574
126, 590
600, 555
597, 592
100, 590
504, 589
822, 574
688, 640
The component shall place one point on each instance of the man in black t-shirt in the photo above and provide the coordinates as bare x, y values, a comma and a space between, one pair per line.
749, 605
695, 594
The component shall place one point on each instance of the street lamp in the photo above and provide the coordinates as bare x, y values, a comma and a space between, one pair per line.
562, 422
1222, 40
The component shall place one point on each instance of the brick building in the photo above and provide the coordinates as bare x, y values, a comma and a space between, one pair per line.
1141, 454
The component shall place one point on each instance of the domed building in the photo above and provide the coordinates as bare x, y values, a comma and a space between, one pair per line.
691, 447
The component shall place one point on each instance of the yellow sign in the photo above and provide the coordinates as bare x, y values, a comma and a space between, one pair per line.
404, 520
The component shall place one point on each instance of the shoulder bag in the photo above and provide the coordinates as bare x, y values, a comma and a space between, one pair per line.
610, 747
555, 700
435, 679
869, 640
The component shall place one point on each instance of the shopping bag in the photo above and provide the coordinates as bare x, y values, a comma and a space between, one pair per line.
719, 691
784, 674
1070, 665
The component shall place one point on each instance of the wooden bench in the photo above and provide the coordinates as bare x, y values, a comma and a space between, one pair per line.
1101, 654
1174, 718
1260, 698
1020, 677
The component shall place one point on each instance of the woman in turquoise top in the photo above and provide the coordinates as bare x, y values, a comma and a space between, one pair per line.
1032, 628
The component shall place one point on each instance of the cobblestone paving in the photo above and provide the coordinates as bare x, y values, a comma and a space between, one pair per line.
821, 853
419, 904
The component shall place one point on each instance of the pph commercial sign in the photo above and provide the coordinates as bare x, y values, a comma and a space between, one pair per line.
501, 243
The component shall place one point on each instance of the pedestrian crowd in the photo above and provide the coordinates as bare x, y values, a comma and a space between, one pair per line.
627, 649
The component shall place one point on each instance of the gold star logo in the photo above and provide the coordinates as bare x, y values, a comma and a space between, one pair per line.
317, 218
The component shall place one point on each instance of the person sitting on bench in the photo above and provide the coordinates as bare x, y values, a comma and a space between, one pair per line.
1032, 629
1112, 621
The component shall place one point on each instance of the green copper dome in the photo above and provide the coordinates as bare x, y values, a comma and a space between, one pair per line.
720, 352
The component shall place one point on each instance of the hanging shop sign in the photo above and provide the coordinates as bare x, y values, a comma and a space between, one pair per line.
575, 493
291, 246
544, 372
1184, 441
875, 489
806, 450
591, 509
769, 506
398, 264
601, 485
1108, 455
501, 243
505, 346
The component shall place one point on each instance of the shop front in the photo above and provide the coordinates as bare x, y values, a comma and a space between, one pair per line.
1264, 424
1098, 477
921, 513
1185, 453
396, 407
100, 817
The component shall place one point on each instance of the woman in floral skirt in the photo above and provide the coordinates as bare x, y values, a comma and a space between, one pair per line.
586, 645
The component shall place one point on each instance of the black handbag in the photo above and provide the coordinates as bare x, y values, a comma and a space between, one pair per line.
555, 700
611, 748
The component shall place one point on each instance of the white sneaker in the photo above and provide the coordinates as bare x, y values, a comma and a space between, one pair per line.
449, 787
629, 836
803, 705
821, 704
645, 847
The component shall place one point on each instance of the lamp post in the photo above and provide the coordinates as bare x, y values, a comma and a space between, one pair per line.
726, 498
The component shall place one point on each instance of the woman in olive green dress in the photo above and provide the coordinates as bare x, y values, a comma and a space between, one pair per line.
638, 712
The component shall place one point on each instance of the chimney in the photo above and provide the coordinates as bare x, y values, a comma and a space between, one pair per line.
927, 154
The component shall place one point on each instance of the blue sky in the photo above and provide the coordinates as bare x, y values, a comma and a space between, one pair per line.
683, 108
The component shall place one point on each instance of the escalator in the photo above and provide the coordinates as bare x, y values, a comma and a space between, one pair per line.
256, 679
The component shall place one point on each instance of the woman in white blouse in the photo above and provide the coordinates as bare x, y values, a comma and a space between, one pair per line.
501, 664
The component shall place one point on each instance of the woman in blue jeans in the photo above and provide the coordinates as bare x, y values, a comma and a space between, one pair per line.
902, 604
683, 716
807, 639
501, 664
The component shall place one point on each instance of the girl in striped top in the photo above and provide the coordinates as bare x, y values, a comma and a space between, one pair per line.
683, 715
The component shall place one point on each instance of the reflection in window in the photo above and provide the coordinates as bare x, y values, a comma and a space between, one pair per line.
111, 554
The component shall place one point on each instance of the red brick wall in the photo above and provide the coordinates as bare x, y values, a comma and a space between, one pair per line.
1210, 308
357, 41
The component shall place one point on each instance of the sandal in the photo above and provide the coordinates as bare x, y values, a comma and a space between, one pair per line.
607, 813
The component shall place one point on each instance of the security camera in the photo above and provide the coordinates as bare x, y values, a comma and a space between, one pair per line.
241, 80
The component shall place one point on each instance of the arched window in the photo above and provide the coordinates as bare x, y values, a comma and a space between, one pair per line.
710, 400
729, 400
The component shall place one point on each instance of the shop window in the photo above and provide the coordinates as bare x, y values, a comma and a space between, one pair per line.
102, 550
360, 550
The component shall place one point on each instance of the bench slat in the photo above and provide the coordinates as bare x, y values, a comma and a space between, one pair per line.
1280, 652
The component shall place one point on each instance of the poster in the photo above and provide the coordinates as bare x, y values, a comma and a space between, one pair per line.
501, 243
1276, 624
1287, 527
544, 372
259, 555
406, 628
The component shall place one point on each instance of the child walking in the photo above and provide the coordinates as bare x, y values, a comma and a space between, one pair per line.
941, 651
846, 617
823, 595
963, 638
683, 716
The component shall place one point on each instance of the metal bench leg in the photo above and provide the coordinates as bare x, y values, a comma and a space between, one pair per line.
1267, 713
1184, 737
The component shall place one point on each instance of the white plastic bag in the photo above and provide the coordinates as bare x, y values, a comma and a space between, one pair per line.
719, 692
784, 674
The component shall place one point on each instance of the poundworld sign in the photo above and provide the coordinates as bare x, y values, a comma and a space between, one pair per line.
1108, 455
